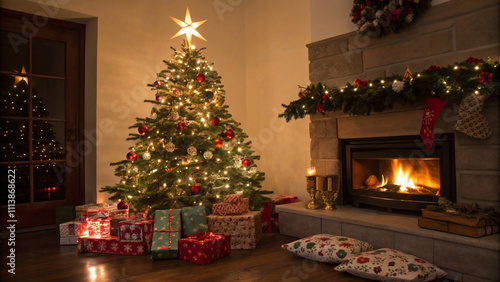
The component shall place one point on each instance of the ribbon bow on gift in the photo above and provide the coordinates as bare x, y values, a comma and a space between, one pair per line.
201, 236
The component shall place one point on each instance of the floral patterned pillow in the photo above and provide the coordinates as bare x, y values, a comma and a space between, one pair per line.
390, 265
327, 248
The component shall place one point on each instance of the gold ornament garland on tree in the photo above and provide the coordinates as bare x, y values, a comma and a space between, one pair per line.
376, 18
452, 83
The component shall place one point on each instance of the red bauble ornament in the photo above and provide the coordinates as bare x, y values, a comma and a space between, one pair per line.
229, 134
143, 129
246, 162
182, 125
131, 156
200, 77
325, 96
177, 92
218, 143
215, 121
159, 98
122, 205
302, 94
158, 83
196, 189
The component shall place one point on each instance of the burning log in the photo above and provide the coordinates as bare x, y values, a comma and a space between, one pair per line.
372, 182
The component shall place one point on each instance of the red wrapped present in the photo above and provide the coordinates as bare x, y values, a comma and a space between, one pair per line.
269, 214
112, 245
95, 228
203, 248
245, 229
134, 230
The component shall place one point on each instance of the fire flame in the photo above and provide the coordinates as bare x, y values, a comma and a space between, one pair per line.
402, 179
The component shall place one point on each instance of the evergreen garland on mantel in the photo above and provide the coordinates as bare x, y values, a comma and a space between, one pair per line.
451, 83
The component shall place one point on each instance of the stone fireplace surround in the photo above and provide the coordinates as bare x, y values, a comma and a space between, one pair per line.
447, 33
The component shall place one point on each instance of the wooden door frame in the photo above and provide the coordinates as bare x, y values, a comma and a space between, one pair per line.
44, 212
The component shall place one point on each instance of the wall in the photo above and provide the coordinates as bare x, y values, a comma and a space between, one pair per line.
447, 33
258, 48
276, 35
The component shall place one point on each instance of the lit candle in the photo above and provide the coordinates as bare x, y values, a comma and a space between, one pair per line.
311, 171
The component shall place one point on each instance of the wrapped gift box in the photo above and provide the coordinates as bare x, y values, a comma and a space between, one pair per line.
90, 210
116, 213
69, 228
269, 215
134, 230
167, 232
114, 226
245, 229
112, 245
233, 204
194, 220
68, 240
204, 248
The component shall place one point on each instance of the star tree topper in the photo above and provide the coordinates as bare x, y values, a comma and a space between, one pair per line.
188, 27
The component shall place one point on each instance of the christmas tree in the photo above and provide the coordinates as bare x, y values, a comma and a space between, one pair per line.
190, 151
14, 145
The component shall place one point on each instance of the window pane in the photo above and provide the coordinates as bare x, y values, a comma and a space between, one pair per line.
21, 179
48, 98
49, 57
49, 182
13, 96
14, 144
14, 51
48, 140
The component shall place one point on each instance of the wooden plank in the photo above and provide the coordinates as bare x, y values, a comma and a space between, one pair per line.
457, 228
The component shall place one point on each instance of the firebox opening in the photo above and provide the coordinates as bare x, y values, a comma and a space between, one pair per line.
397, 172
410, 176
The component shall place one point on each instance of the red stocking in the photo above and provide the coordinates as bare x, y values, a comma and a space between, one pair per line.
433, 107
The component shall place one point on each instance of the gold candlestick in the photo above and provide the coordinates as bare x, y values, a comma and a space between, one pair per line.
332, 192
311, 189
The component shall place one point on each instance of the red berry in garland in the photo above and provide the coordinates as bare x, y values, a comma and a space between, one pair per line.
196, 189
229, 134
143, 129
200, 77
215, 121
246, 162
218, 143
182, 125
131, 156
122, 205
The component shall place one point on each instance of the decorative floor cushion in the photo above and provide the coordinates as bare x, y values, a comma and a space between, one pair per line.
390, 265
327, 247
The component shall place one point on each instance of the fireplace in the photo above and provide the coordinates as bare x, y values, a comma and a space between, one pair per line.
397, 172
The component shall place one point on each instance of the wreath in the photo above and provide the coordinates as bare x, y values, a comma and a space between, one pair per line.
376, 18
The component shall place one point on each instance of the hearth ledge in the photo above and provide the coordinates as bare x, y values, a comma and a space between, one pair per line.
400, 223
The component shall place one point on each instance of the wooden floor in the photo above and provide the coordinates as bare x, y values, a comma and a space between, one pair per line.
40, 258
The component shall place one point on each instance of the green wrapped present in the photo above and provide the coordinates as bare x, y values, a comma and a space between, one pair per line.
167, 231
194, 220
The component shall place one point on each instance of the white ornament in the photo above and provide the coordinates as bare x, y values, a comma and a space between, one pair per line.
173, 115
253, 170
398, 86
135, 169
208, 155
170, 147
146, 156
154, 115
192, 150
